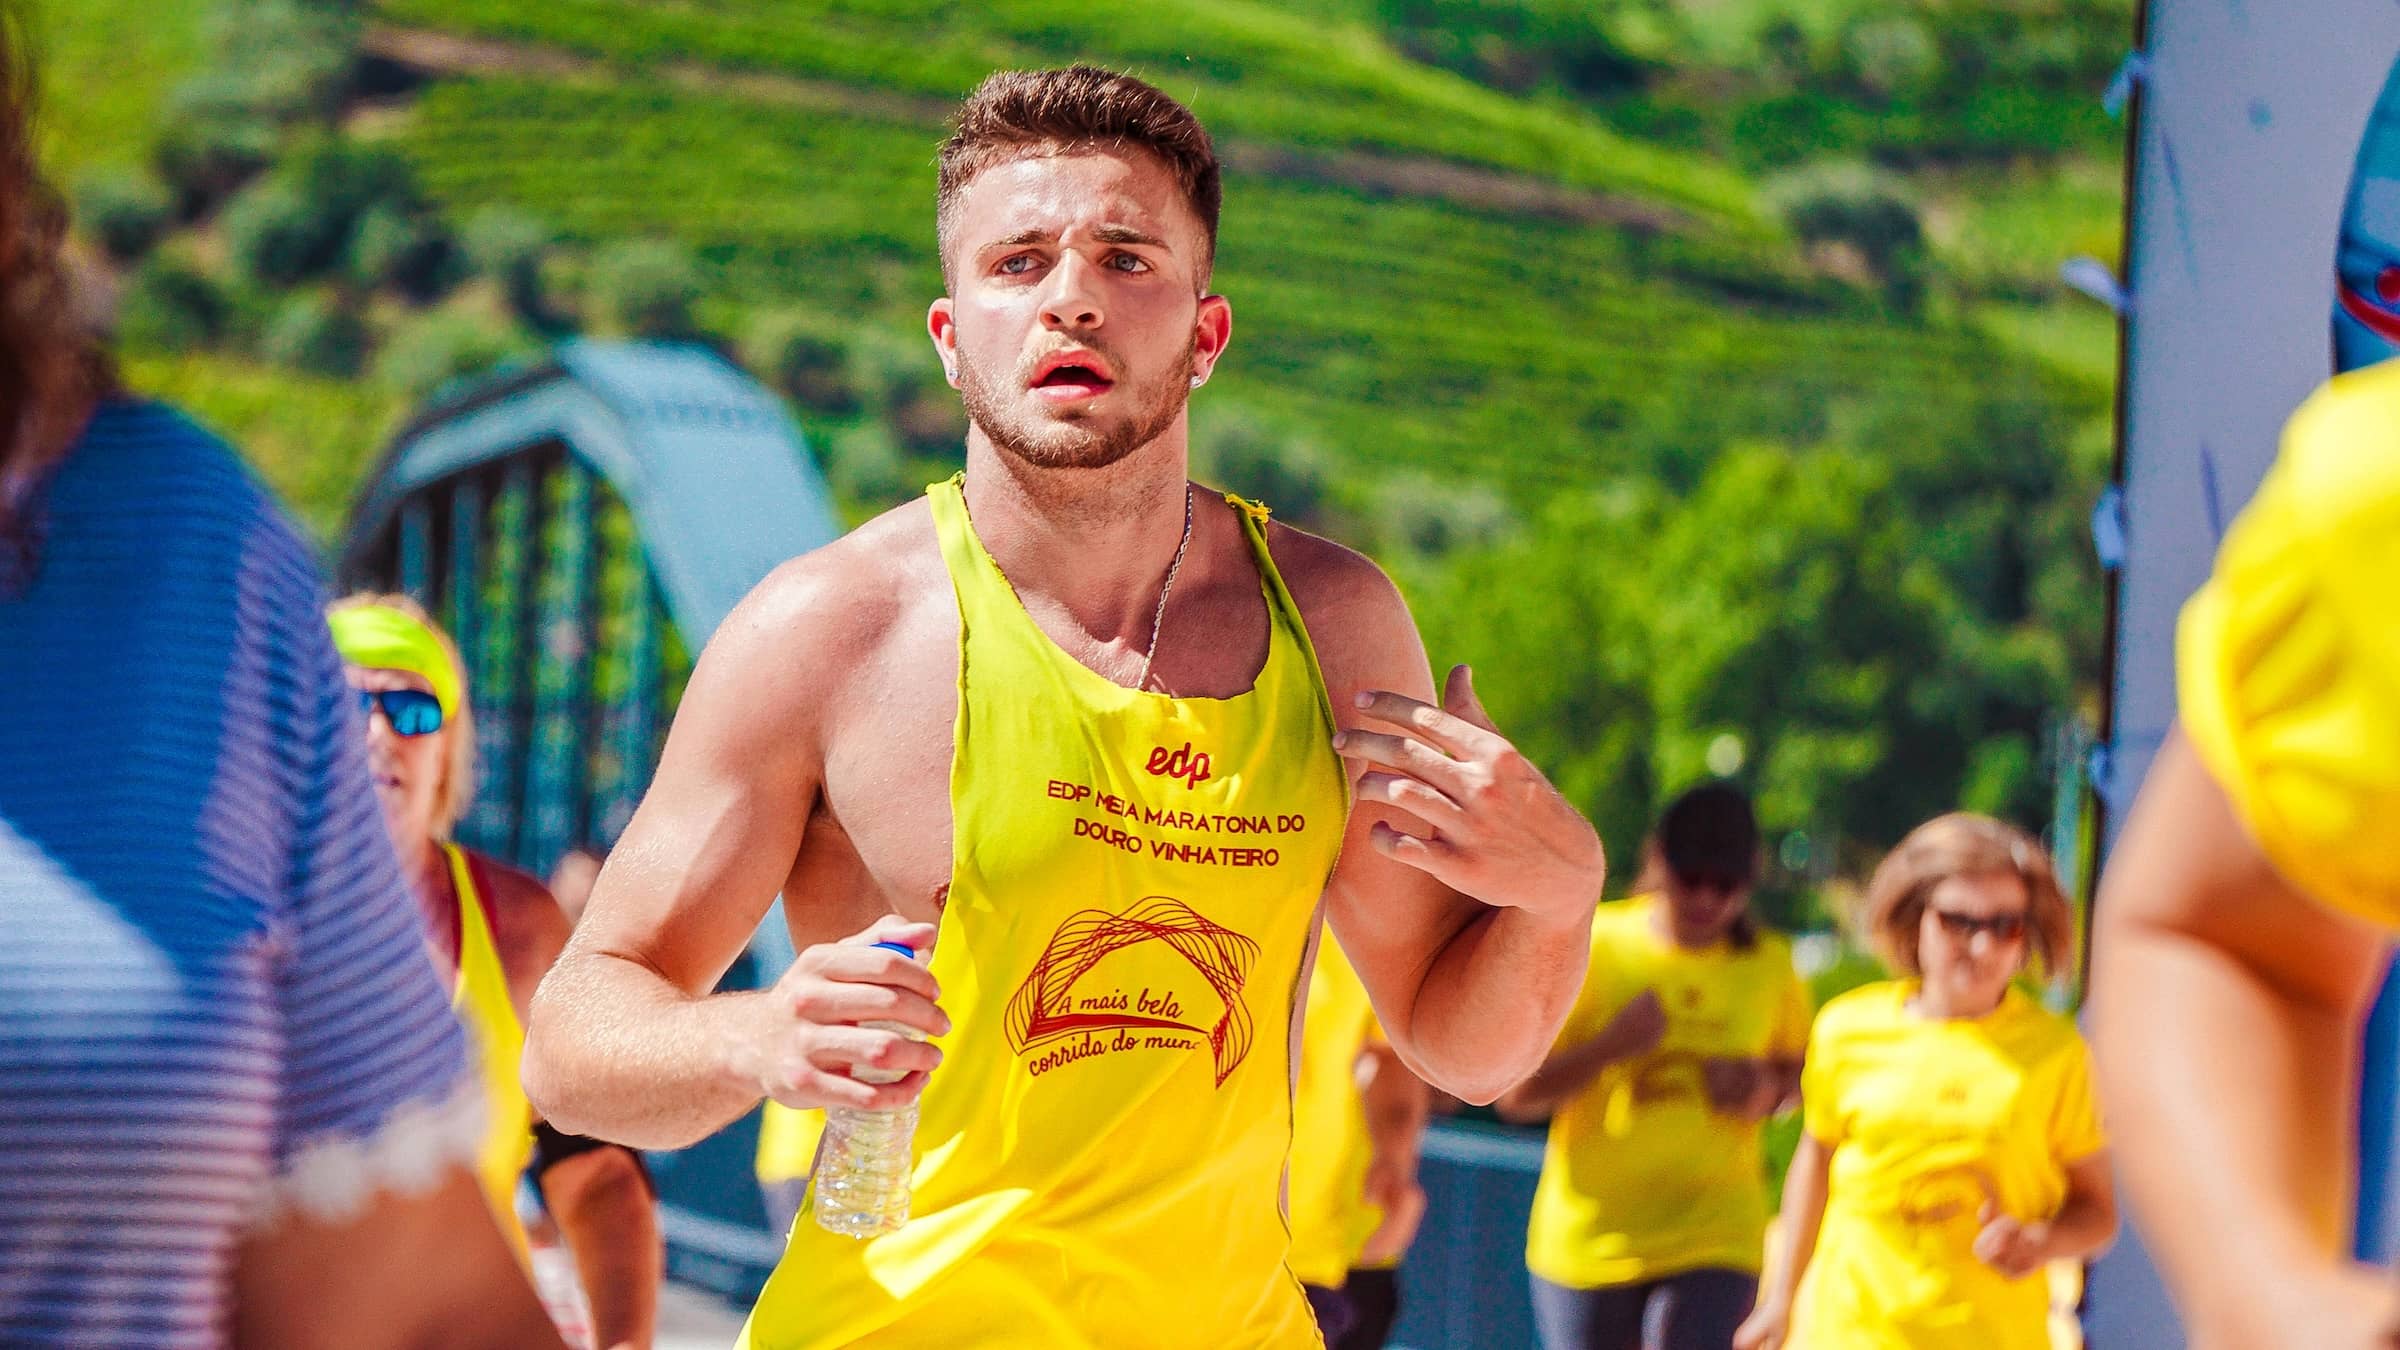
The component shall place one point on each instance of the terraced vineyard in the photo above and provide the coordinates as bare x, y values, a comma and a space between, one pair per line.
1484, 287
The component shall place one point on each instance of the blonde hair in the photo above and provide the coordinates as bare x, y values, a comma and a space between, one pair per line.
1963, 844
458, 772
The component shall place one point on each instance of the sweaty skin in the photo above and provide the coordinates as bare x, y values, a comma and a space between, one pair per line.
812, 750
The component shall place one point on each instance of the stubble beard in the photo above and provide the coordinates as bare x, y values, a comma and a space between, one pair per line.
1078, 440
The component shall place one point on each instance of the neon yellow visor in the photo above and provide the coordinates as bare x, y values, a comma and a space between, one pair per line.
380, 637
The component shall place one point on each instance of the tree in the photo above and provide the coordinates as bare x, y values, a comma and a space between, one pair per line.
124, 211
647, 287
507, 246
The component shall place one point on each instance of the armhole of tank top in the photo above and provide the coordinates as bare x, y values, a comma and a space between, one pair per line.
1289, 617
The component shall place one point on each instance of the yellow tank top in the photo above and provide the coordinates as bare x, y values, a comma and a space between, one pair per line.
1134, 883
482, 1002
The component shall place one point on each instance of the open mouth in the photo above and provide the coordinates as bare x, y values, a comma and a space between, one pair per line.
1067, 376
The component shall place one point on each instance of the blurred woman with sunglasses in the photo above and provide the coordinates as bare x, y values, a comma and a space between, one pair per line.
1952, 1146
494, 931
234, 1109
1687, 1037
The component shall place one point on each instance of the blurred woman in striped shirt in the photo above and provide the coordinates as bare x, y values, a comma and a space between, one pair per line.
234, 1105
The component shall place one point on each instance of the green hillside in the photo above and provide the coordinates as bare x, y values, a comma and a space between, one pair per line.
1583, 292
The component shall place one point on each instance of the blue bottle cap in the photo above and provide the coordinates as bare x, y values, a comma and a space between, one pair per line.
901, 947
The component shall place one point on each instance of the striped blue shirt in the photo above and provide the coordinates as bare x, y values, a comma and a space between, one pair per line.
214, 998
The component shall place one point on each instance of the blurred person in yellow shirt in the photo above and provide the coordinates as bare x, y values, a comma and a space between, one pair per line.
1952, 1146
1687, 1037
1358, 1120
2246, 918
787, 1154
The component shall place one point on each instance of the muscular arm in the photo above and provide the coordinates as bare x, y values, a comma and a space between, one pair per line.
625, 1040
2228, 1009
1472, 987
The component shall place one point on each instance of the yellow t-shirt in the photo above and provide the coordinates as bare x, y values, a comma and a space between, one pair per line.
1927, 1119
1331, 1220
2288, 660
1641, 1178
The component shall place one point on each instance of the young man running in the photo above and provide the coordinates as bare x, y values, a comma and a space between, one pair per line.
1076, 728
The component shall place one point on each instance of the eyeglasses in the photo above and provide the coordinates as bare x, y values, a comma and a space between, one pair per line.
2002, 927
412, 712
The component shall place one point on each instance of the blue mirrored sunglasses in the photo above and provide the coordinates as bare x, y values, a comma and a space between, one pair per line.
412, 712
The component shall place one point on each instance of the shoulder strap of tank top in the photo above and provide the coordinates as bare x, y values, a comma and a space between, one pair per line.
1287, 610
985, 600
477, 943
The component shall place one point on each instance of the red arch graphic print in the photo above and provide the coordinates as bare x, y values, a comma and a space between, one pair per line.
1043, 1008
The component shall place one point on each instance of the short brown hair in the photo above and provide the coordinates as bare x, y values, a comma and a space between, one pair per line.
1019, 114
458, 763
1963, 844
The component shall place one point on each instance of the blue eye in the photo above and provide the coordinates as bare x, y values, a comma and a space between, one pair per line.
1010, 266
1129, 263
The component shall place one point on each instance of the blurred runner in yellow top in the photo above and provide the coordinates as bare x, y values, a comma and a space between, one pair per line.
1358, 1119
2255, 890
787, 1151
1953, 1147
494, 931
1065, 723
1687, 1037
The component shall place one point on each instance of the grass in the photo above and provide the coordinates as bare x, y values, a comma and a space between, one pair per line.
2075, 337
1403, 335
2010, 231
310, 438
1523, 352
108, 66
1251, 71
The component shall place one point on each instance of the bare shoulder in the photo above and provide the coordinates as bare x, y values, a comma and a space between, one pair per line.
816, 628
1357, 620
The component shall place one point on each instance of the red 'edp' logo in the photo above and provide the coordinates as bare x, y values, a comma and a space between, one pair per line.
1184, 764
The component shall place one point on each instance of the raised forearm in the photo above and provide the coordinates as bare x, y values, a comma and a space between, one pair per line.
1784, 1076
2084, 1228
604, 1207
616, 1052
1491, 1003
1561, 1076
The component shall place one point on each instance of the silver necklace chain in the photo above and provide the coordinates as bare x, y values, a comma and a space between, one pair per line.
1166, 588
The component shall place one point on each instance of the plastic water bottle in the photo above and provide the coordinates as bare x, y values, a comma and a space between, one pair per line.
860, 1185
